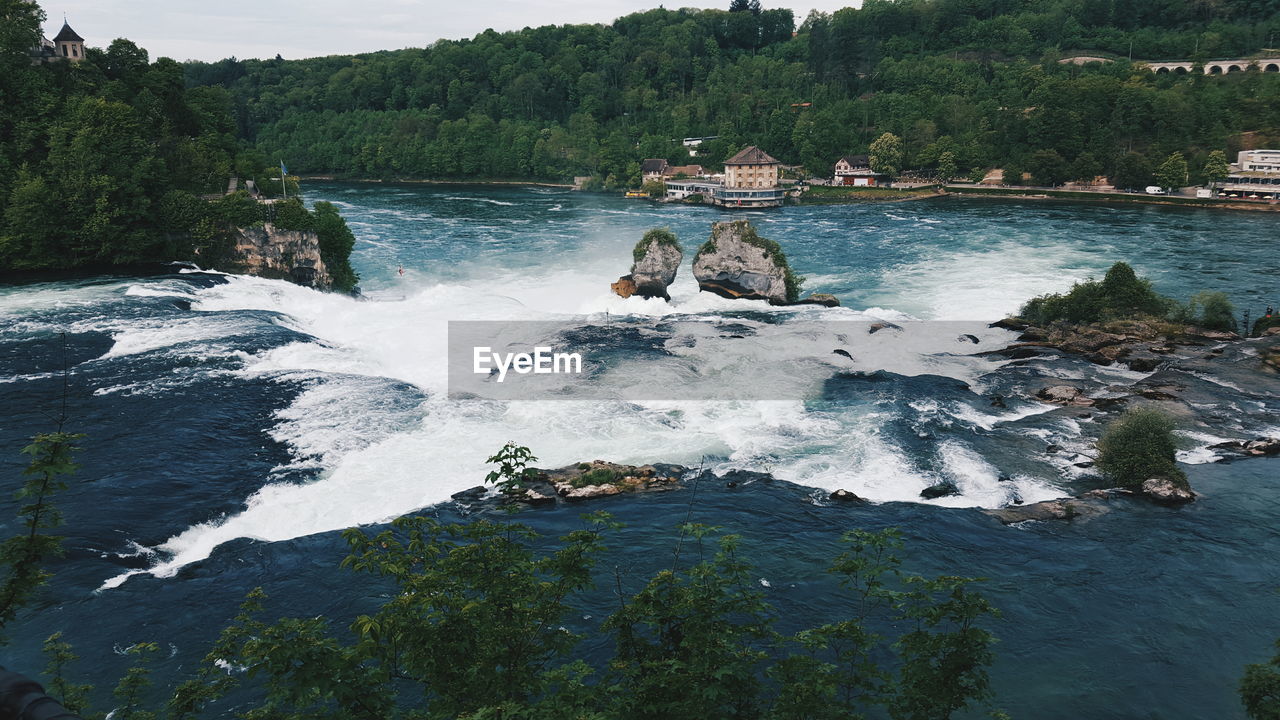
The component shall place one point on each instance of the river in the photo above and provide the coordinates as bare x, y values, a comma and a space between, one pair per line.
235, 425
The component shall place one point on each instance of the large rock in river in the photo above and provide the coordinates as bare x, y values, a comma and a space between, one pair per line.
738, 263
657, 258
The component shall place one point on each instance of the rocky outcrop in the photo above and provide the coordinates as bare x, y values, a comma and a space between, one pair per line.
1262, 447
600, 478
1080, 508
1167, 491
266, 251
1141, 345
657, 258
738, 263
656, 268
1064, 395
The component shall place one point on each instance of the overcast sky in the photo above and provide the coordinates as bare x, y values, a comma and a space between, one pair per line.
214, 29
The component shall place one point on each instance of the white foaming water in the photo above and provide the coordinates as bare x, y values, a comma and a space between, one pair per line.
957, 284
383, 450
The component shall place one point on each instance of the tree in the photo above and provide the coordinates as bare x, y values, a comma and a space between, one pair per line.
947, 168
1172, 173
1212, 310
1048, 168
886, 155
1133, 171
1011, 174
1215, 168
23, 556
1085, 169
1260, 689
336, 244
1138, 446
1120, 295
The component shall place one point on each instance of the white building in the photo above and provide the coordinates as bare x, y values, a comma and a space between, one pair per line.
856, 170
681, 189
1255, 175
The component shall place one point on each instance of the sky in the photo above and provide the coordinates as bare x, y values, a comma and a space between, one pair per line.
214, 29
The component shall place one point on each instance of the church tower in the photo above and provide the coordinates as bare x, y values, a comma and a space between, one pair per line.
69, 45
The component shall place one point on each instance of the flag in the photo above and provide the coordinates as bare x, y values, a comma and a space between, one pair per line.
283, 170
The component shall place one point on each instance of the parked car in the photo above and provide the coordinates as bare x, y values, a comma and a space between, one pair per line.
1155, 190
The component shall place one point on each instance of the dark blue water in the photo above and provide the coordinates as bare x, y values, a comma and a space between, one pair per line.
235, 425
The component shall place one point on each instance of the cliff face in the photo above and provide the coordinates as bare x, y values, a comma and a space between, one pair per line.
280, 254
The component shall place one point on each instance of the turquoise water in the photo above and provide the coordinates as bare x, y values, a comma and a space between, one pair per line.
235, 425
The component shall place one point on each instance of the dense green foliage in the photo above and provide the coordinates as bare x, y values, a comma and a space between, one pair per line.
475, 624
513, 470
104, 162
1120, 294
662, 236
476, 628
975, 78
1260, 689
1210, 310
23, 556
90, 150
1140, 445
336, 244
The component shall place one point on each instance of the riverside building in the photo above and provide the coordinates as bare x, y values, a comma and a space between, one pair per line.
1255, 175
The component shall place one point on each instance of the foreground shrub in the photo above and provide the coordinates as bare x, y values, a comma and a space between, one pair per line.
1140, 445
484, 621
1212, 310
1260, 689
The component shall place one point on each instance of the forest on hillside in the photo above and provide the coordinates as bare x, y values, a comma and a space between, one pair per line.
976, 78
104, 162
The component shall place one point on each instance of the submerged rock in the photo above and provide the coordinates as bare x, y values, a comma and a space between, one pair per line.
942, 489
1010, 323
822, 299
738, 263
845, 496
1060, 509
1064, 395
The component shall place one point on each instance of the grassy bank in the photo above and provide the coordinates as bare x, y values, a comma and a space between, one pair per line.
836, 195
1108, 197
